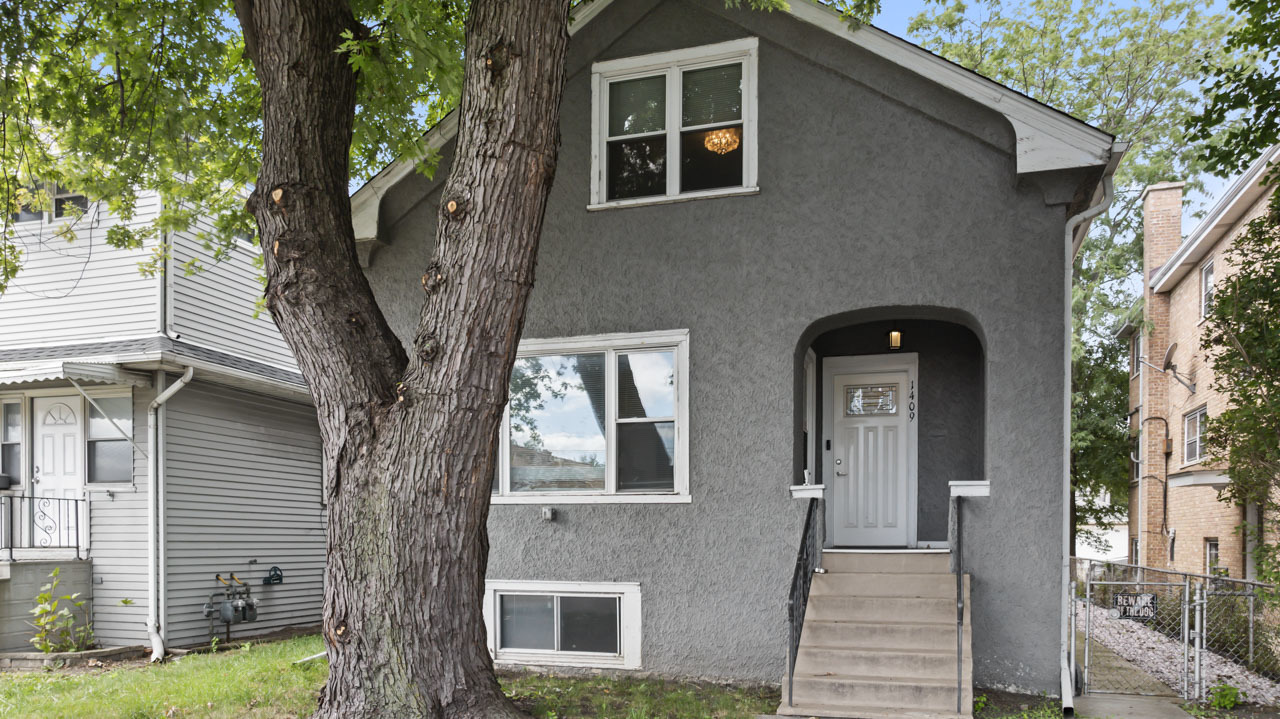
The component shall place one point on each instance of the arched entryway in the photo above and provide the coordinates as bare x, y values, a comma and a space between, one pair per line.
893, 412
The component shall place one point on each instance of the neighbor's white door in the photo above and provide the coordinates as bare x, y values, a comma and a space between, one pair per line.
57, 470
873, 455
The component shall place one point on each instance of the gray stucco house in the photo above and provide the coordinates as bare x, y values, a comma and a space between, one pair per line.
224, 476
799, 285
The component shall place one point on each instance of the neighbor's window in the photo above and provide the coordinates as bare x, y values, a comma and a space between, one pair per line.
1137, 352
566, 623
110, 455
1211, 557
11, 440
595, 419
1192, 430
1206, 288
675, 124
68, 204
1133, 550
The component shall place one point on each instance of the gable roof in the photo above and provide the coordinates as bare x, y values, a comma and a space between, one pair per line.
1232, 207
1048, 139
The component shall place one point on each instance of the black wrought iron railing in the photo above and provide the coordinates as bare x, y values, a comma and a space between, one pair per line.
40, 523
808, 561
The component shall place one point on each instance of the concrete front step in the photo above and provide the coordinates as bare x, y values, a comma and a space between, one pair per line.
869, 635
884, 609
862, 712
835, 690
893, 584
887, 562
933, 666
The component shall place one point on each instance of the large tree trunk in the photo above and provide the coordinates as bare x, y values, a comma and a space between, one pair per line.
409, 440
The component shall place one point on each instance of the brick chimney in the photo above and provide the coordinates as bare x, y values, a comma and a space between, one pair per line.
1162, 235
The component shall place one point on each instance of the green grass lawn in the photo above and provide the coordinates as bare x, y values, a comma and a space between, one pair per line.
262, 682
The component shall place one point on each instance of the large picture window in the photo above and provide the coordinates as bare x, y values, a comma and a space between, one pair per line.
597, 419
564, 623
675, 125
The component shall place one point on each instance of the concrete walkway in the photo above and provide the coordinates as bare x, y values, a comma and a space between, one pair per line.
1124, 706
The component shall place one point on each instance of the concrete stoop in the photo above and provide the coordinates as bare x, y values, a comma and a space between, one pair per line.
879, 640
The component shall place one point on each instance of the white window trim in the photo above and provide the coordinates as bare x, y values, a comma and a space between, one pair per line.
629, 620
1201, 412
1206, 288
610, 344
1217, 551
24, 429
672, 64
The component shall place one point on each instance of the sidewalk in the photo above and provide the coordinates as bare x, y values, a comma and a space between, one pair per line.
1124, 706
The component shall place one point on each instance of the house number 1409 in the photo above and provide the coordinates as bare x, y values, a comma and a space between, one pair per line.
911, 403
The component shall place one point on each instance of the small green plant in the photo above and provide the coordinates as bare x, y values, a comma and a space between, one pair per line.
979, 703
213, 643
55, 620
1225, 696
126, 602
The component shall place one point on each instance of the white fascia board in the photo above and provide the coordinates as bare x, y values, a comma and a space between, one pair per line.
1226, 213
1048, 139
1199, 478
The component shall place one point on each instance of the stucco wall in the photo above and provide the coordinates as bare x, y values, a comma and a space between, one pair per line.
877, 189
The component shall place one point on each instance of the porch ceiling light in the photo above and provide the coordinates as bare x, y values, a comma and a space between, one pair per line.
723, 141
895, 339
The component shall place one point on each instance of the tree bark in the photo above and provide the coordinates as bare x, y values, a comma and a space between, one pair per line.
409, 438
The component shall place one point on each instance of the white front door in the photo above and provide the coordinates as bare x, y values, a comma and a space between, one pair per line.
871, 465
57, 470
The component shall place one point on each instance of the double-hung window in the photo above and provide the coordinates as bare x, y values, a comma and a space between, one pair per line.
1192, 431
675, 125
68, 204
597, 419
1206, 288
11, 440
564, 623
109, 453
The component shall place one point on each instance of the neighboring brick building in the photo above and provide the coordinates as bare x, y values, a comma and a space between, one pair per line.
1175, 517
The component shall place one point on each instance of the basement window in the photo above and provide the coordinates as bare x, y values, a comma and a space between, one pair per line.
564, 623
597, 419
674, 125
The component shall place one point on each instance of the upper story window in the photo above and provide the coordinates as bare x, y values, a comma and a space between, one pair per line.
597, 419
1192, 431
1206, 288
66, 204
1136, 347
675, 125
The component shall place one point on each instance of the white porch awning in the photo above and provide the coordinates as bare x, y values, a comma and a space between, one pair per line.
24, 372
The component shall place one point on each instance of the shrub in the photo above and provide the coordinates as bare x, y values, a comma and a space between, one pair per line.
55, 620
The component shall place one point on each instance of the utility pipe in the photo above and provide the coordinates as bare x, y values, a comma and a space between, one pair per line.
1064, 653
153, 507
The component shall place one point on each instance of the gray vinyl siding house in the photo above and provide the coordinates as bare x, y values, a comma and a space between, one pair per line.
238, 461
881, 190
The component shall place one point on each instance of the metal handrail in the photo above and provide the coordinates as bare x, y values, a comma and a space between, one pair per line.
808, 561
957, 566
40, 523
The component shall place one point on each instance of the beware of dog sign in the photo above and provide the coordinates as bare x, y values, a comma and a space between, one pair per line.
1134, 606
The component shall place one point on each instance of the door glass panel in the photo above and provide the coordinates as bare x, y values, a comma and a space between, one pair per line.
589, 624
646, 456
646, 384
557, 423
870, 399
9, 458
528, 621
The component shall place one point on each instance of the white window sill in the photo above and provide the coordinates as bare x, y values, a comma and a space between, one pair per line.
562, 659
668, 199
551, 499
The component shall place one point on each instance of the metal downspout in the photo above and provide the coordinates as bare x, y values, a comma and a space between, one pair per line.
1064, 653
154, 475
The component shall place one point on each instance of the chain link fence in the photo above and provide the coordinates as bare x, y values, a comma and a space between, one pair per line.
1140, 630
